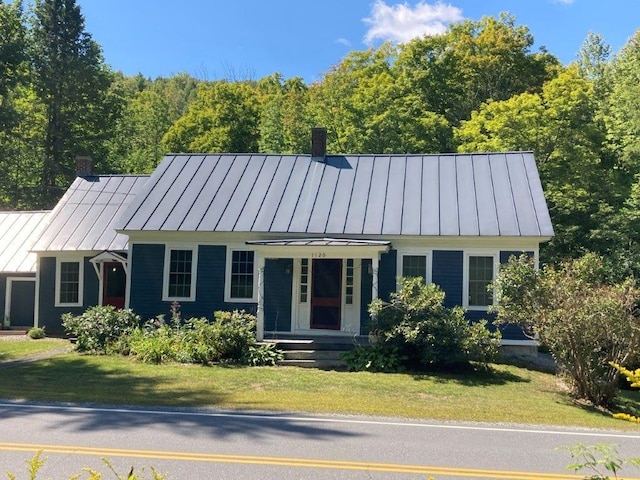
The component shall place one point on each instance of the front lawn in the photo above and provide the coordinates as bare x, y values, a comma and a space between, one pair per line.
12, 348
505, 394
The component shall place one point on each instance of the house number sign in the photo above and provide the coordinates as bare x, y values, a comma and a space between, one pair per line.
318, 255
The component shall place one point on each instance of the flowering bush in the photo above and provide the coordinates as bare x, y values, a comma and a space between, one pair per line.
100, 326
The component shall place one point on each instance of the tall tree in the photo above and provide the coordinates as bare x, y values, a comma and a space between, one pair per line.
72, 81
223, 118
12, 58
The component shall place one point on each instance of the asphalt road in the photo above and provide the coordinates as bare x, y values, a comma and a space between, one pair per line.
213, 444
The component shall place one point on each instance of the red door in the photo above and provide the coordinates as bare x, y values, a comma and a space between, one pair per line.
326, 298
114, 283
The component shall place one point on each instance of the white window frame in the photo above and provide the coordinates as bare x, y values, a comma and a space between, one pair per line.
495, 255
59, 262
227, 278
416, 252
168, 248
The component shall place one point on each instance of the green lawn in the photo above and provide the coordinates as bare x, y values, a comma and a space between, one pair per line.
17, 347
505, 394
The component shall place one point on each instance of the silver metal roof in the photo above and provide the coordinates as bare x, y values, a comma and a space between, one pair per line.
495, 194
18, 231
83, 218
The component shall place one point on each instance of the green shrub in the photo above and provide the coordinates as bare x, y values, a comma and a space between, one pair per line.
198, 340
99, 326
232, 334
428, 334
36, 333
265, 354
154, 344
379, 357
585, 321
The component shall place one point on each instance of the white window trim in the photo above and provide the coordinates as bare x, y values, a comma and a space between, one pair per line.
167, 264
227, 277
80, 262
415, 251
495, 254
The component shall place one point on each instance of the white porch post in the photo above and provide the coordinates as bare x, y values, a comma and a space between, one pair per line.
260, 310
375, 261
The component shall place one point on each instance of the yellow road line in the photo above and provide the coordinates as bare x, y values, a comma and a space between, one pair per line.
289, 462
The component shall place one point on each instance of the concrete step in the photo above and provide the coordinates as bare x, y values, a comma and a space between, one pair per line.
13, 331
313, 354
320, 364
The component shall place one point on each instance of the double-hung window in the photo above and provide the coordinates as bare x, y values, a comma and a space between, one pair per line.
414, 264
180, 273
241, 276
480, 274
69, 275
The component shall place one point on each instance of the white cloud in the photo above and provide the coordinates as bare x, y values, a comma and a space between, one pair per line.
343, 41
402, 22
566, 2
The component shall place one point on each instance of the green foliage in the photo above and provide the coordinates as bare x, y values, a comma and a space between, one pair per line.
35, 464
601, 459
583, 320
36, 333
223, 118
99, 326
429, 334
265, 354
379, 357
227, 339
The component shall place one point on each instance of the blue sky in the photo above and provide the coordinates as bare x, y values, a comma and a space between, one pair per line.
240, 39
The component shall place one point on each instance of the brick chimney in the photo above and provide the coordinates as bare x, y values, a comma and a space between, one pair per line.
83, 166
319, 143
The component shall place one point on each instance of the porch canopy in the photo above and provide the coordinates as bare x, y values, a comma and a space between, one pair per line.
108, 256
315, 248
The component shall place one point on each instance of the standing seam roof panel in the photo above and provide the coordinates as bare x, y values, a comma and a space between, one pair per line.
324, 200
354, 223
487, 215
299, 221
525, 211
449, 220
237, 202
412, 197
343, 195
237, 165
181, 187
374, 216
540, 205
467, 201
430, 205
256, 197
204, 196
392, 212
187, 198
134, 210
507, 221
291, 195
273, 195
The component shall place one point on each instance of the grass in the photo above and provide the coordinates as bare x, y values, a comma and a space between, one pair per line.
12, 348
502, 394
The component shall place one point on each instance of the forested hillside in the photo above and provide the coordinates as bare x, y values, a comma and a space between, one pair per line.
477, 88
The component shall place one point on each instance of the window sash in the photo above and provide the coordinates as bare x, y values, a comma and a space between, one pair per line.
242, 274
481, 270
69, 284
414, 266
180, 273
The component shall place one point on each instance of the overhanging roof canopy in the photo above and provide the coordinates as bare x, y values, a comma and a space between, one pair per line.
323, 247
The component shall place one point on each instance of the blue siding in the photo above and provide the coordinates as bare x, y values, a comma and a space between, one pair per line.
277, 294
49, 314
366, 284
447, 273
147, 272
387, 271
146, 269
